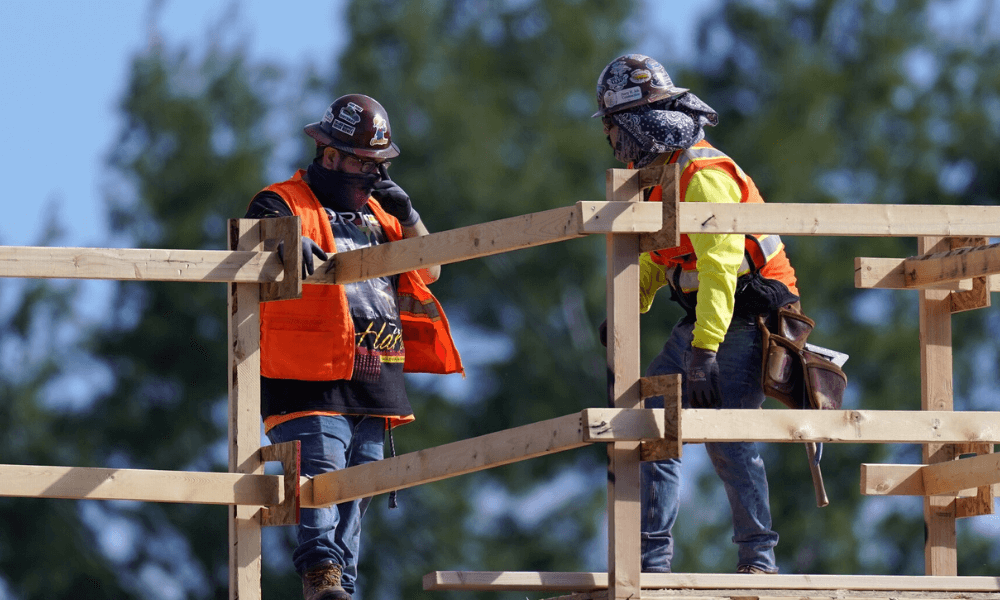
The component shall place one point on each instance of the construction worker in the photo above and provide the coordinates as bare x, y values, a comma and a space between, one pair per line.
723, 281
332, 362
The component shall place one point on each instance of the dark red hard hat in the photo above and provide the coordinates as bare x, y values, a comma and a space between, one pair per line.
633, 80
357, 124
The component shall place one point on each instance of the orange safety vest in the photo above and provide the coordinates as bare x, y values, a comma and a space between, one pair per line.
312, 338
768, 250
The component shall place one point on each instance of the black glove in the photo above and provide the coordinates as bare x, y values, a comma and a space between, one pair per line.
703, 379
394, 200
309, 248
602, 332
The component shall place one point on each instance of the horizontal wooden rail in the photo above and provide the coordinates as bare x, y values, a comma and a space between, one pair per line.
845, 426
136, 264
29, 481
484, 452
486, 239
888, 220
582, 582
944, 478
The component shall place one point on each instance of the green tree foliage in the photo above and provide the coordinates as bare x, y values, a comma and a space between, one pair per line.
844, 101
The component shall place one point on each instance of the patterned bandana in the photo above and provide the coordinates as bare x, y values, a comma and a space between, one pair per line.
646, 131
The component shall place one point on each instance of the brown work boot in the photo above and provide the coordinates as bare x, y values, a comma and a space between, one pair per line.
754, 570
322, 582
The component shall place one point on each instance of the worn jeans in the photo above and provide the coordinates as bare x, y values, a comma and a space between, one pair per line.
738, 464
330, 443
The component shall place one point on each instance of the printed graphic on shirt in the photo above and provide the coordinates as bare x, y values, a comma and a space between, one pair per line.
373, 305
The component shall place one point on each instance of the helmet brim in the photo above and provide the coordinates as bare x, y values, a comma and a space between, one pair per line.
315, 131
667, 95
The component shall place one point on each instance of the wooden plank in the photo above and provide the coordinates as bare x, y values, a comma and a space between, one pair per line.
953, 477
244, 416
448, 460
619, 217
670, 446
889, 274
286, 231
623, 390
839, 426
562, 581
465, 243
979, 295
940, 542
189, 487
616, 424
669, 235
136, 264
952, 265
893, 220
289, 455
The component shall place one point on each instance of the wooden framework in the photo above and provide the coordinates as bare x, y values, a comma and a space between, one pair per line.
951, 274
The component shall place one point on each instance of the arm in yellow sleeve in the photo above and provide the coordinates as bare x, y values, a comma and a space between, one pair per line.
719, 259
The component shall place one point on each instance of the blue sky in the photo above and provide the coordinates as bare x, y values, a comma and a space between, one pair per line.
63, 69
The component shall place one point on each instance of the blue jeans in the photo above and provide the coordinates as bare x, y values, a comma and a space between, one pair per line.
737, 464
330, 443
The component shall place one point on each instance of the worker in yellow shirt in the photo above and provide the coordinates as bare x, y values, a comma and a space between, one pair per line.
723, 281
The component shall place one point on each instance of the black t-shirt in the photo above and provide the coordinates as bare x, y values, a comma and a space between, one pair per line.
376, 386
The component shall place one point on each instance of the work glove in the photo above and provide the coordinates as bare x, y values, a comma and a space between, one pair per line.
394, 200
309, 249
703, 379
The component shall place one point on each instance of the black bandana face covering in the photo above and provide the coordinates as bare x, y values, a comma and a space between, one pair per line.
344, 192
645, 132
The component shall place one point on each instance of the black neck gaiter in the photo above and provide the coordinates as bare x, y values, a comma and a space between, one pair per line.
344, 192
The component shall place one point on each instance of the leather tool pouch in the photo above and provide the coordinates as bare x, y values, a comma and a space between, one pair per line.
791, 374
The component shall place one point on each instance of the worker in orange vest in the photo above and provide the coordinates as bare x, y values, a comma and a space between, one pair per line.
723, 281
332, 362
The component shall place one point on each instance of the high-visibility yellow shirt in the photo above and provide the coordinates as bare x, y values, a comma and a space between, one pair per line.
719, 258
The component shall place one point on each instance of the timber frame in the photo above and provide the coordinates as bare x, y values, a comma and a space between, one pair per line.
955, 271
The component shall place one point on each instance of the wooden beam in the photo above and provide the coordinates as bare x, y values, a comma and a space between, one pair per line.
979, 295
582, 582
286, 231
289, 454
448, 460
889, 274
950, 478
464, 243
940, 542
953, 265
619, 217
135, 264
244, 416
189, 487
839, 426
622, 252
892, 220
669, 446
591, 425
669, 235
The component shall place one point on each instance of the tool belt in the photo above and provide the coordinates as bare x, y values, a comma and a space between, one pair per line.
791, 374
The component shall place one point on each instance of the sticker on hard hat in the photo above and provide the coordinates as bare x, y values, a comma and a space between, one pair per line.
344, 127
612, 98
350, 113
381, 127
639, 76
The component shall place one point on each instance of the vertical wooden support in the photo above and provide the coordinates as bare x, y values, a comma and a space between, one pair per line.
940, 555
623, 392
244, 417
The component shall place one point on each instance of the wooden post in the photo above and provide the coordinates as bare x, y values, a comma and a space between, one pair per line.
624, 565
940, 553
244, 416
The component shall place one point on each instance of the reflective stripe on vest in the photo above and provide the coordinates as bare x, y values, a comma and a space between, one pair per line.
769, 244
